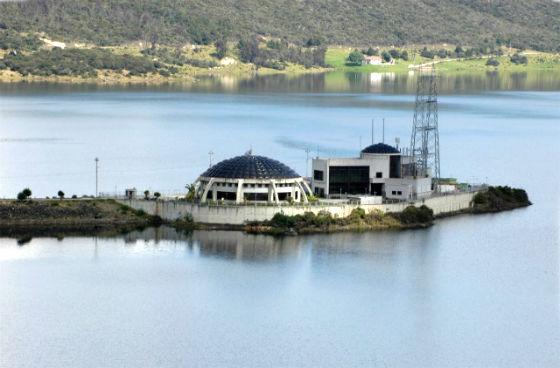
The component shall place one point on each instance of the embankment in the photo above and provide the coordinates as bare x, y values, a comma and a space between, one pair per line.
70, 217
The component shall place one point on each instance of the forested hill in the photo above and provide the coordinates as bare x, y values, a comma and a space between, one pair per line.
528, 24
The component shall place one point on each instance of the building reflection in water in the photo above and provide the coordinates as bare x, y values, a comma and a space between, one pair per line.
224, 244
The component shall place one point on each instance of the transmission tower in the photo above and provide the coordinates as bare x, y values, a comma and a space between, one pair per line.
424, 143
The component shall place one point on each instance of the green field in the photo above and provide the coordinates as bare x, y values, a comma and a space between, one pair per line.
336, 58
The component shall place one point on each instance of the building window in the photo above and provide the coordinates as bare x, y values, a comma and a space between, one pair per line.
394, 192
399, 192
318, 175
379, 174
348, 180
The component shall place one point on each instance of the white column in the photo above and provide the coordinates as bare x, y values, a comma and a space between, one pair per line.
274, 192
205, 194
303, 194
239, 195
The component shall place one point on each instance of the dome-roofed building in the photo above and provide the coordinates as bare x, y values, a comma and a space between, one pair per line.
251, 178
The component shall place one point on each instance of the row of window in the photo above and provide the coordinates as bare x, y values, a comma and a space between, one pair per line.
320, 176
396, 192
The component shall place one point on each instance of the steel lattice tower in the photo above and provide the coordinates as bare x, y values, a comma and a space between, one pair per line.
424, 143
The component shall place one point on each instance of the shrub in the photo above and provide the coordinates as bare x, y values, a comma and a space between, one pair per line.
371, 52
518, 59
429, 54
282, 221
386, 56
416, 215
492, 62
395, 54
355, 58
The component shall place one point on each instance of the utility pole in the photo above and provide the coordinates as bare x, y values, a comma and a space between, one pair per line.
210, 154
96, 177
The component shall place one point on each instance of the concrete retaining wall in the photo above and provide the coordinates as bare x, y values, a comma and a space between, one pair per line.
240, 214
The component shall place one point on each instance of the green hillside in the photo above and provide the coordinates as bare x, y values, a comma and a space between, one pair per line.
531, 24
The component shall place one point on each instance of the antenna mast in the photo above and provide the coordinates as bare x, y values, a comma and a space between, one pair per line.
424, 143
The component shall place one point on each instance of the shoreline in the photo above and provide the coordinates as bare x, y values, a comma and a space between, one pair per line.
107, 217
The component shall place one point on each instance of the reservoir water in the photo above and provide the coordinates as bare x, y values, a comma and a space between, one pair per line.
472, 291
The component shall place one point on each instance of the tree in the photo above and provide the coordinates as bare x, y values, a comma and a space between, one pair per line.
221, 48
355, 58
442, 53
404, 55
517, 58
313, 42
191, 193
492, 62
157, 195
395, 54
60, 194
386, 56
371, 51
429, 54
146, 194
27, 192
248, 50
21, 197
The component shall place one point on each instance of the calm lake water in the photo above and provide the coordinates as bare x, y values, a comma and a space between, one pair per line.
472, 291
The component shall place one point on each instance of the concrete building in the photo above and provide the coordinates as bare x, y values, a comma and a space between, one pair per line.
380, 170
250, 178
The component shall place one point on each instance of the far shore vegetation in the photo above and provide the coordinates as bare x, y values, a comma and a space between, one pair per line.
32, 57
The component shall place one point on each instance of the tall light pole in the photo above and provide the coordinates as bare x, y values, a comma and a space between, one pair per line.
307, 150
96, 176
210, 154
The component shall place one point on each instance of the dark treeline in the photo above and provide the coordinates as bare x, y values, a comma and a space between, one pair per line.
523, 24
80, 62
278, 53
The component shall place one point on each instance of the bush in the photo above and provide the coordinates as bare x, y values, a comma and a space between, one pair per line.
371, 52
395, 54
429, 54
386, 56
519, 59
442, 53
282, 221
492, 62
355, 58
221, 48
416, 215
